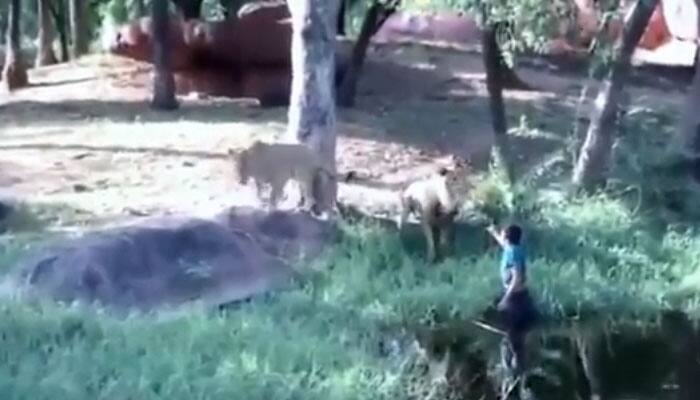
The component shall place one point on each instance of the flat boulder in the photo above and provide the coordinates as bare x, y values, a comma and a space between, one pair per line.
163, 263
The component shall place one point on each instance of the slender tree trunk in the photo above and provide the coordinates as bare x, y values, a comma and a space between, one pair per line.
689, 132
588, 345
58, 12
341, 17
494, 85
137, 9
45, 54
3, 27
226, 6
78, 27
163, 80
592, 165
190, 9
14, 74
375, 17
684, 338
311, 118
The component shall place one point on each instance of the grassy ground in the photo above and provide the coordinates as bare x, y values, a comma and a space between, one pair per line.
324, 340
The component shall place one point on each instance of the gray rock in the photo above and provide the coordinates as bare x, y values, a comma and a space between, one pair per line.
166, 262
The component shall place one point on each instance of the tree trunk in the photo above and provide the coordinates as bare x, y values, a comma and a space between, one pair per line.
375, 17
78, 27
14, 74
588, 345
311, 118
137, 9
592, 165
3, 27
494, 85
190, 9
163, 79
45, 54
58, 12
341, 17
684, 339
689, 132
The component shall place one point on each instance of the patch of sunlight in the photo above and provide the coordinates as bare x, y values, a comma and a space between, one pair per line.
20, 131
526, 96
424, 66
180, 134
691, 283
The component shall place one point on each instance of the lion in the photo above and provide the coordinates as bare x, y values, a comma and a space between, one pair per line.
435, 201
277, 163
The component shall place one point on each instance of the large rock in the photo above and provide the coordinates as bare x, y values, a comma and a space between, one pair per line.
443, 26
244, 56
163, 262
260, 37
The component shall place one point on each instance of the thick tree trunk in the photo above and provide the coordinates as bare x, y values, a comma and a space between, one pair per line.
14, 74
592, 164
494, 85
163, 80
190, 9
312, 102
78, 27
45, 54
689, 132
375, 17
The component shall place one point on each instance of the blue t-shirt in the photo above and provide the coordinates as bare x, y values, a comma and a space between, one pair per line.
513, 257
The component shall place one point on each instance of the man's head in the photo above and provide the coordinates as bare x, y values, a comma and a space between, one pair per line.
513, 234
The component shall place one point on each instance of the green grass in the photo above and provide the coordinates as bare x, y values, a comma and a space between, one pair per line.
322, 340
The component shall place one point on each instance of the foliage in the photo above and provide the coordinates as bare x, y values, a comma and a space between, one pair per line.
523, 25
114, 11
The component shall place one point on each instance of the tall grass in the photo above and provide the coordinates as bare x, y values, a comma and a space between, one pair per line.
325, 340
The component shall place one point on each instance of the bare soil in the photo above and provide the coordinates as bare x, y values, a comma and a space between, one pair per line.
82, 135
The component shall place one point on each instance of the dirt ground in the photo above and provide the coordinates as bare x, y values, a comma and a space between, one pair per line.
83, 137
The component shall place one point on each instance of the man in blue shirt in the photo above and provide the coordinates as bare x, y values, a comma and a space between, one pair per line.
515, 303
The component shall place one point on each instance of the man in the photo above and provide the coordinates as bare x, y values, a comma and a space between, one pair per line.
515, 305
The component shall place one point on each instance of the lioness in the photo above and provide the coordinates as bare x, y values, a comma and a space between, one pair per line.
276, 163
435, 201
